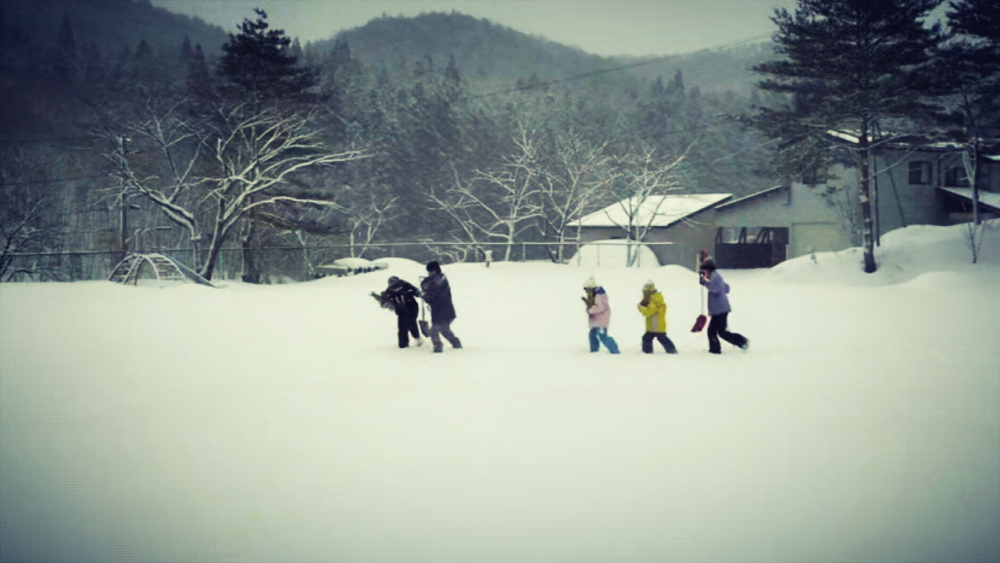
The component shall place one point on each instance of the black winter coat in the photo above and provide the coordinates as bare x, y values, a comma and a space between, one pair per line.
437, 294
403, 297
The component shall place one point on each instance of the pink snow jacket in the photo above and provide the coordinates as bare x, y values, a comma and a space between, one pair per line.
600, 313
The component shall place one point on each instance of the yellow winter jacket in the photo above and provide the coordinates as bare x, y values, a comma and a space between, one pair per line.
655, 313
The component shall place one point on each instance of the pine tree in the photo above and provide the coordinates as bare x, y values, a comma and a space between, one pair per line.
976, 18
199, 81
855, 62
65, 61
970, 61
142, 66
967, 75
259, 63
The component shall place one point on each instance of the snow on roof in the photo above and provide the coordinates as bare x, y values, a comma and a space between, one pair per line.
986, 198
753, 195
656, 211
844, 136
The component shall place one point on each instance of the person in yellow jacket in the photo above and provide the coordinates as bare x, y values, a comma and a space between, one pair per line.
654, 308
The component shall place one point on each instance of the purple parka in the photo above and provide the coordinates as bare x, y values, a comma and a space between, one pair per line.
717, 288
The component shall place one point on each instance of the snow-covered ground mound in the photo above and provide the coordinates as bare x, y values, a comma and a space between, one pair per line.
263, 423
903, 255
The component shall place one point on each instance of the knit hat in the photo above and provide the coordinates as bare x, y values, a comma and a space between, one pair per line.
590, 283
433, 267
708, 265
650, 287
393, 279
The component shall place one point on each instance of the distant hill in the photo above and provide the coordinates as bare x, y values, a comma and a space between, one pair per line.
712, 70
483, 48
90, 40
112, 25
480, 47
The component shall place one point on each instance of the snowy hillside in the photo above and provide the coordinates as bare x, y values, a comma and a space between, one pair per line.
263, 423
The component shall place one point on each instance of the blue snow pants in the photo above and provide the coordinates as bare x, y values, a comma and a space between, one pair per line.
598, 335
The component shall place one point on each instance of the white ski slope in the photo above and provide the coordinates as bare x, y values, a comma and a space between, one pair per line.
267, 423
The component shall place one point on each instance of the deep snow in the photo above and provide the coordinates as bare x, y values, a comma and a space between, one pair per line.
262, 423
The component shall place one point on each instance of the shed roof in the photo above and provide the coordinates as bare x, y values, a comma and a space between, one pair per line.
655, 211
746, 198
988, 199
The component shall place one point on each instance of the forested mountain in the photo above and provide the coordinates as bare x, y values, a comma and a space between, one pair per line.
110, 25
54, 53
482, 49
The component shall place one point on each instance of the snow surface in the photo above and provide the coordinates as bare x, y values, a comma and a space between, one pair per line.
281, 423
655, 210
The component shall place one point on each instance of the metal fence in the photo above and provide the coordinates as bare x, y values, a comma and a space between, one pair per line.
303, 262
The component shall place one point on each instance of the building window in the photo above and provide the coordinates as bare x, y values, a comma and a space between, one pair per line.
813, 176
954, 177
920, 172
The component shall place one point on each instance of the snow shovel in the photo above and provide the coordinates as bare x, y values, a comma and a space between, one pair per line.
425, 329
699, 323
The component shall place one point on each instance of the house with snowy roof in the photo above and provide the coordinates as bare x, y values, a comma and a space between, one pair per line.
765, 228
676, 227
914, 181
922, 179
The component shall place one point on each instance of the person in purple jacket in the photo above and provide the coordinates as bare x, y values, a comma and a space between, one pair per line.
718, 309
599, 312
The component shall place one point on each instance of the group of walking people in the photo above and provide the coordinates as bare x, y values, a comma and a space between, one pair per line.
436, 292
654, 308
401, 296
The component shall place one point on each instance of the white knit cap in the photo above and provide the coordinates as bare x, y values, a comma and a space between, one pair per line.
590, 282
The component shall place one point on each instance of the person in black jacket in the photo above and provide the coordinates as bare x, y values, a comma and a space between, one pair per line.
437, 294
402, 297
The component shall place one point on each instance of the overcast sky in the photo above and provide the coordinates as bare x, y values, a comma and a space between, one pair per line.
600, 27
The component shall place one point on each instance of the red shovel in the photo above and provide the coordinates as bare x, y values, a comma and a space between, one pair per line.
699, 323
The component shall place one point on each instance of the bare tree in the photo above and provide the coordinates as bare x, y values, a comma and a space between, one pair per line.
641, 179
367, 216
570, 185
27, 216
498, 203
207, 174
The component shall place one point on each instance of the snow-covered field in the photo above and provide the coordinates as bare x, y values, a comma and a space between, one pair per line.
282, 423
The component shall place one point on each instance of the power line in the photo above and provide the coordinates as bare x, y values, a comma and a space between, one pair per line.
606, 71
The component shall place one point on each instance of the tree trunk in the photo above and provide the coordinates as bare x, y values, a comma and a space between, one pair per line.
972, 173
215, 245
213, 256
251, 273
867, 230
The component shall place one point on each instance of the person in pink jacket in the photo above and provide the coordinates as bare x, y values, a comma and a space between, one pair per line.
599, 312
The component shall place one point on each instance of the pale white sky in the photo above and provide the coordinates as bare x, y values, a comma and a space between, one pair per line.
601, 27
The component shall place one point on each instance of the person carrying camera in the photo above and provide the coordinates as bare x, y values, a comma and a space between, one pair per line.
654, 308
